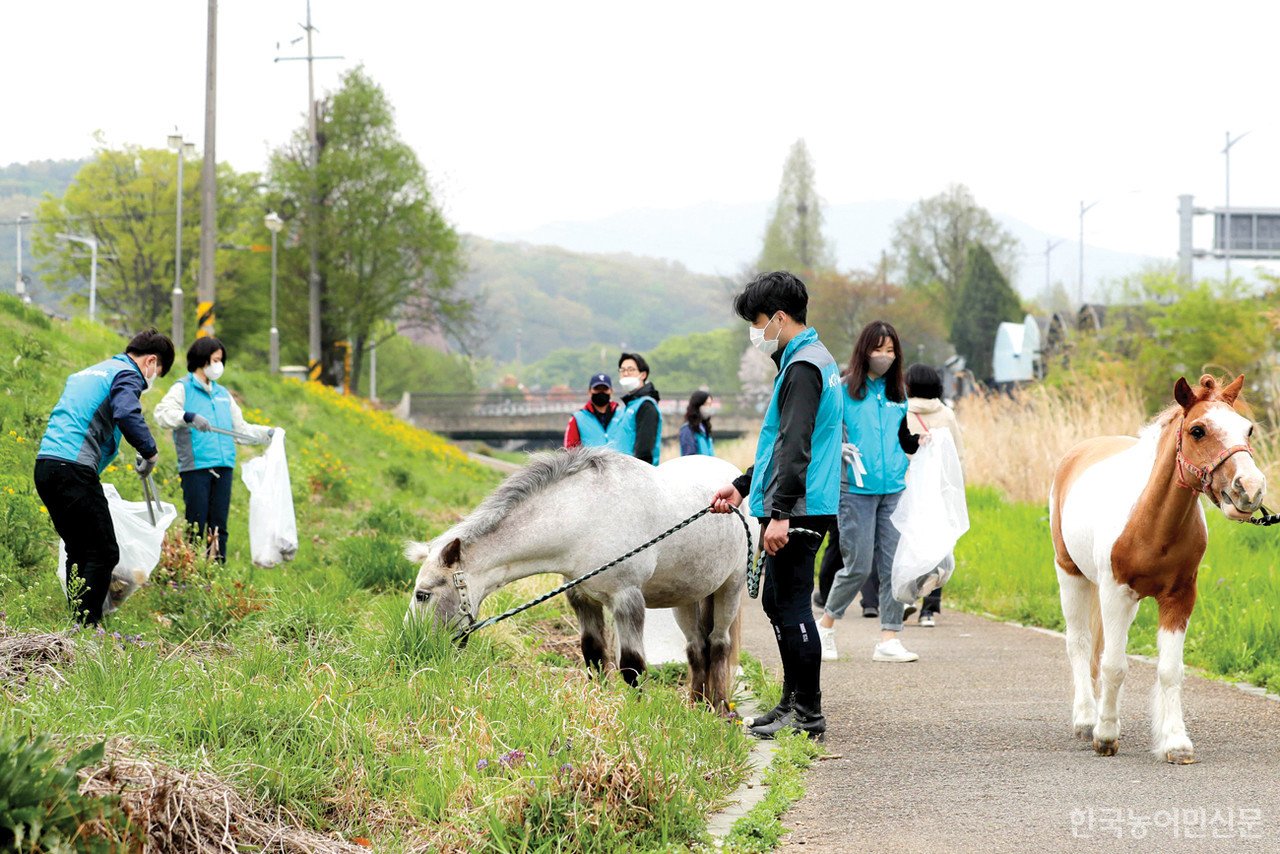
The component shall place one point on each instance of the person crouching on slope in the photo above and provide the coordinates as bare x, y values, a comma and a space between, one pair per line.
795, 483
98, 405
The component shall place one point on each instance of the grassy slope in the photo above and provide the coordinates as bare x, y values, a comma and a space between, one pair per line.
302, 684
1005, 567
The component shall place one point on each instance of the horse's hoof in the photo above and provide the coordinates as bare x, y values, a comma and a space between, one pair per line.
1105, 748
1084, 732
1181, 756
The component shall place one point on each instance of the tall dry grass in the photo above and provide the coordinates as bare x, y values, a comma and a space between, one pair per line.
1014, 443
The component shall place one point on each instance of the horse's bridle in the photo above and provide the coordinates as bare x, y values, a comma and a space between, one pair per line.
1204, 474
464, 600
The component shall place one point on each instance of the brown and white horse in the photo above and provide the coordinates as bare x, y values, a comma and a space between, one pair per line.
1127, 523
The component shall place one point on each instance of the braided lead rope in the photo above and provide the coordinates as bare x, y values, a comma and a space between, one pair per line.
463, 634
756, 566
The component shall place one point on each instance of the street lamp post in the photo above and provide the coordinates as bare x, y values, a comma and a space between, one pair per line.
1226, 227
184, 149
92, 243
1049, 246
21, 287
1083, 210
273, 223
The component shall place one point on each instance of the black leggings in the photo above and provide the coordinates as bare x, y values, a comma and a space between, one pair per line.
785, 592
207, 494
73, 496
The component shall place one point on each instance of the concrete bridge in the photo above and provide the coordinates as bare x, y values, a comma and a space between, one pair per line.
539, 420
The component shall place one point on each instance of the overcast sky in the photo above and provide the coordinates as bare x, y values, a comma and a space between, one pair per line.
528, 113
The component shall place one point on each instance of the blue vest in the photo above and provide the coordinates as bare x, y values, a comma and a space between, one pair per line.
822, 480
595, 436
703, 444
872, 424
198, 450
626, 441
81, 427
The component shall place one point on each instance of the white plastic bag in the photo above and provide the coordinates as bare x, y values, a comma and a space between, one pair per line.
273, 529
140, 544
931, 516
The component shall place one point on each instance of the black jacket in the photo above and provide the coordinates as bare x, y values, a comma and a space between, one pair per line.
646, 422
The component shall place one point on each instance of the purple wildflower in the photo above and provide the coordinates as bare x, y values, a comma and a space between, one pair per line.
565, 768
482, 764
512, 759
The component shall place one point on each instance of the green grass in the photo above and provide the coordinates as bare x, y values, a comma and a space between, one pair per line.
302, 685
1004, 566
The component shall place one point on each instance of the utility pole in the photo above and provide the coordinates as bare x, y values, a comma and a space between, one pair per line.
1083, 210
177, 300
1049, 246
313, 204
1226, 227
22, 282
205, 320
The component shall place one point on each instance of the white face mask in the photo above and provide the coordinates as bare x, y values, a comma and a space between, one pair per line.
629, 383
213, 371
768, 346
151, 380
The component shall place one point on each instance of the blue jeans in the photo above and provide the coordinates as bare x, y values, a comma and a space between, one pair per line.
868, 541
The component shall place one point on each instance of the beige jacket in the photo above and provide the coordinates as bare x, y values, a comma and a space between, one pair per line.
936, 415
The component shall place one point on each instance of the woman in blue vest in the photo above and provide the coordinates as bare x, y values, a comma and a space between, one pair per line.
641, 428
695, 433
194, 406
877, 441
794, 484
98, 405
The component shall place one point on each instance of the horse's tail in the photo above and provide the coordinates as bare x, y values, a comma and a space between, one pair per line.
1095, 633
735, 646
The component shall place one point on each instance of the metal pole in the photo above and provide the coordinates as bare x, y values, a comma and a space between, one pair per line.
93, 279
1226, 237
209, 183
275, 332
21, 287
313, 241
177, 296
1186, 212
1049, 246
1083, 210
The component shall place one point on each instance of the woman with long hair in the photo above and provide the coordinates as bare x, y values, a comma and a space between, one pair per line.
695, 433
877, 442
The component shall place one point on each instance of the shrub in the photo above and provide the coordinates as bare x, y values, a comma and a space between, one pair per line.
375, 563
41, 808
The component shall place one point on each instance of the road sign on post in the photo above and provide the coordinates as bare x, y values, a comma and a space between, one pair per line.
1255, 232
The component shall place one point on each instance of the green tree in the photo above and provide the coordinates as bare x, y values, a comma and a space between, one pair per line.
387, 251
793, 239
931, 244
984, 302
126, 199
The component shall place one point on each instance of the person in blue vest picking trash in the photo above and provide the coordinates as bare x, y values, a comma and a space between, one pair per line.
641, 428
695, 432
597, 424
98, 405
201, 412
793, 488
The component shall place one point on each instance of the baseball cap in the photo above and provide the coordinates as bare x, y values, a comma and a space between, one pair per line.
600, 379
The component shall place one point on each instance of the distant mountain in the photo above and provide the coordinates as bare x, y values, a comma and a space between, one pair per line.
722, 239
541, 298
22, 187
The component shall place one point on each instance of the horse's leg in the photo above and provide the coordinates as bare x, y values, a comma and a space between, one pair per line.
695, 649
1167, 728
628, 620
1119, 607
725, 608
1079, 608
592, 628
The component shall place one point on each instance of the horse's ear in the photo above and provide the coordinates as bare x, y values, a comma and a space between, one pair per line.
417, 552
1231, 392
452, 552
1183, 394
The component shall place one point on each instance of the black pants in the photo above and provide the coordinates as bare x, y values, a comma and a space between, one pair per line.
207, 493
831, 563
73, 496
785, 592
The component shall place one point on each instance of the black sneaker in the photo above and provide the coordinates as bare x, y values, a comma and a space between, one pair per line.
870, 612
818, 601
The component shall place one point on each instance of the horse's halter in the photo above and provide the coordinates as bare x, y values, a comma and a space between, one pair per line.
1204, 474
464, 600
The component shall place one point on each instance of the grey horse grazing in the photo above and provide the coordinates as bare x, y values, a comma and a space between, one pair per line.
568, 512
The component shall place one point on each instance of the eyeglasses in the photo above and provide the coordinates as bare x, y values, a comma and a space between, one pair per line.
626, 372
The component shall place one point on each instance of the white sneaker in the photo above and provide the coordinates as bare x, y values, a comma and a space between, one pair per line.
893, 650
828, 638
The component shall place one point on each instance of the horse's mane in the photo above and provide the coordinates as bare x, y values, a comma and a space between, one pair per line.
541, 472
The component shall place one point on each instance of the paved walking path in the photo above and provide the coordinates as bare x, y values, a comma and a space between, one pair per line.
970, 750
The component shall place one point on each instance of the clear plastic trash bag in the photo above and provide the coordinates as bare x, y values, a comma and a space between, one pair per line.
273, 528
140, 545
931, 516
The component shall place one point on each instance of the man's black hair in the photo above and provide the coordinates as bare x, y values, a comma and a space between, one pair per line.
769, 293
200, 354
924, 381
641, 365
152, 342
